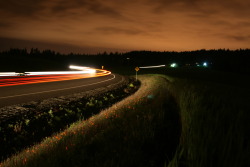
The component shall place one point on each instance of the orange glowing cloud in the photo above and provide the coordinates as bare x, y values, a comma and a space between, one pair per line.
92, 26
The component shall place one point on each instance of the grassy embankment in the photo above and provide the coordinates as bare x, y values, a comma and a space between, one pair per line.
26, 124
214, 111
142, 130
215, 120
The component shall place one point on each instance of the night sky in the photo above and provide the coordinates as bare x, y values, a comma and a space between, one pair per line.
91, 26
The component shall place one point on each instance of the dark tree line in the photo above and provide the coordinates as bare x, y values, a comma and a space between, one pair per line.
34, 59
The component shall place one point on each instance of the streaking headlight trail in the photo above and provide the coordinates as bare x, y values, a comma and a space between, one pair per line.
13, 78
60, 72
77, 67
7, 74
153, 66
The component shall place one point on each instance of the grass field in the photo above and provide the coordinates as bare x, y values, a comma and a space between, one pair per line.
185, 117
215, 122
142, 130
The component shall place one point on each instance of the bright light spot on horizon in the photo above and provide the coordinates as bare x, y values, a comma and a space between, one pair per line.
173, 65
205, 64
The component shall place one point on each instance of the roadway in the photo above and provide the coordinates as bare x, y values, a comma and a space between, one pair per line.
22, 93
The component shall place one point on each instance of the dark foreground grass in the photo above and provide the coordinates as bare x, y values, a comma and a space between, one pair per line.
215, 111
215, 123
142, 130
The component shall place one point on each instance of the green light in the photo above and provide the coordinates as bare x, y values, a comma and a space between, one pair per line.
173, 65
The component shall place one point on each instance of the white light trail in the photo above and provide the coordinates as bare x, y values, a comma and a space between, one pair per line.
81, 70
86, 71
60, 72
7, 74
153, 66
78, 67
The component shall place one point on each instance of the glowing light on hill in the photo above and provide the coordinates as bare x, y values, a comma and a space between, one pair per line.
173, 65
205, 64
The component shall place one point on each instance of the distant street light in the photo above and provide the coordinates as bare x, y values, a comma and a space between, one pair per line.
173, 65
205, 64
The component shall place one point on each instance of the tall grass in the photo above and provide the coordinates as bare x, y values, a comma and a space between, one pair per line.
141, 130
215, 124
215, 111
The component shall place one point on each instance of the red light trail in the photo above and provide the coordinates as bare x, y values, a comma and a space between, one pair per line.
39, 77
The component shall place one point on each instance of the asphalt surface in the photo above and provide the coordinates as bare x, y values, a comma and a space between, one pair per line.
11, 95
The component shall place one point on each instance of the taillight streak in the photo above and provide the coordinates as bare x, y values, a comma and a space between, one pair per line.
30, 79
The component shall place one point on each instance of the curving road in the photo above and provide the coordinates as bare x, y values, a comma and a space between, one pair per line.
10, 95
